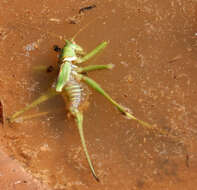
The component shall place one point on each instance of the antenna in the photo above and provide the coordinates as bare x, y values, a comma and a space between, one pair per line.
83, 28
62, 37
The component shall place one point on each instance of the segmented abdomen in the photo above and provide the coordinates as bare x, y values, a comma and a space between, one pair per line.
74, 92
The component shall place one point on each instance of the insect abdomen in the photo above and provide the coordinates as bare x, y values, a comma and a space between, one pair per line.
74, 93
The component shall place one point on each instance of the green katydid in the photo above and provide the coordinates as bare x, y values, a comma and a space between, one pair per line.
68, 85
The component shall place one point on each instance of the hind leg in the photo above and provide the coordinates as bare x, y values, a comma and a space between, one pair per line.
79, 120
98, 88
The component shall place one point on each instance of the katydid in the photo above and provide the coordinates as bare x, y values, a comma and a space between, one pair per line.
69, 86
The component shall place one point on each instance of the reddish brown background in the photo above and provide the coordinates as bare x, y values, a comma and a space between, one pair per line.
153, 47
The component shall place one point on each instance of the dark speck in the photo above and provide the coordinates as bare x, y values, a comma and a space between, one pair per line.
86, 8
1, 113
140, 183
57, 48
50, 69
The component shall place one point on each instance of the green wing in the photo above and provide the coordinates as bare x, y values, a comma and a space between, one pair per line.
64, 76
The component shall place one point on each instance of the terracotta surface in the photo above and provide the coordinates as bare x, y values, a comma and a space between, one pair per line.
13, 176
153, 47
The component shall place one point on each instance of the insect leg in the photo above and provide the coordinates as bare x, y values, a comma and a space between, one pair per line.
94, 67
23, 118
98, 88
99, 48
49, 94
79, 120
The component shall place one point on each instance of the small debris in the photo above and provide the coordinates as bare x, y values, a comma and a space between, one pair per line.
175, 58
18, 182
54, 20
76, 18
124, 63
73, 20
3, 33
1, 113
128, 78
31, 47
86, 8
187, 160
45, 148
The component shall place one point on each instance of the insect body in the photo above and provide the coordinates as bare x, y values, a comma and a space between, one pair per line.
69, 85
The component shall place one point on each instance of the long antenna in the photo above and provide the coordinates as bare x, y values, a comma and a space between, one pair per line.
60, 37
83, 28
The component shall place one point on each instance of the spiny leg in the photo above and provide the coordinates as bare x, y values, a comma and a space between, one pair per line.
49, 94
26, 117
94, 67
96, 50
79, 120
35, 115
98, 88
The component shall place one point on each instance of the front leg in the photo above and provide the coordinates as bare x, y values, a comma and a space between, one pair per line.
98, 49
93, 68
